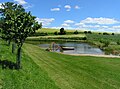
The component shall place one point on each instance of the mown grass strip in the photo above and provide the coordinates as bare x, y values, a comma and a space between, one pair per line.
31, 76
77, 72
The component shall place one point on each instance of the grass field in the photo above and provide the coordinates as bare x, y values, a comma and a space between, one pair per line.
49, 30
49, 70
75, 72
58, 38
31, 76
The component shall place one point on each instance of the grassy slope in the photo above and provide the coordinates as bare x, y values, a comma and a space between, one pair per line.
75, 72
31, 76
49, 30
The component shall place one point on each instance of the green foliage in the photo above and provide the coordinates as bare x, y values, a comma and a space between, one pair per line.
104, 41
89, 32
76, 32
17, 25
85, 32
62, 31
105, 33
113, 34
118, 42
55, 33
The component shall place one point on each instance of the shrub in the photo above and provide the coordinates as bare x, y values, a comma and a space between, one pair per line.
105, 33
56, 33
84, 38
89, 32
85, 32
105, 42
76, 32
118, 42
112, 34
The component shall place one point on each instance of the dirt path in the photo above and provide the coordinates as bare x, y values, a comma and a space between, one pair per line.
96, 55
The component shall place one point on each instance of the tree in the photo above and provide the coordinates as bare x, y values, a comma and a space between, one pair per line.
76, 32
85, 32
89, 32
62, 31
20, 25
55, 33
113, 34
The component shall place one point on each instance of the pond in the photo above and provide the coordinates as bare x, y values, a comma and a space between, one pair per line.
79, 48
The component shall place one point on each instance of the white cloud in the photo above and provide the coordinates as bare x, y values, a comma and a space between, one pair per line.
24, 3
79, 24
116, 27
0, 5
55, 9
99, 24
68, 7
77, 7
69, 21
65, 25
45, 21
100, 20
21, 2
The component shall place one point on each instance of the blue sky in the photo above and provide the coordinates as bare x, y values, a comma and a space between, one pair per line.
97, 15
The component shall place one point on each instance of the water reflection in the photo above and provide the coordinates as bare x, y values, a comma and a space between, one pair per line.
79, 48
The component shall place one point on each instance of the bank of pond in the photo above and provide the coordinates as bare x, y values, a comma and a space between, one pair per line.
71, 47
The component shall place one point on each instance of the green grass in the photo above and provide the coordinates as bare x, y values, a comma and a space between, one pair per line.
77, 72
31, 76
49, 70
58, 38
50, 30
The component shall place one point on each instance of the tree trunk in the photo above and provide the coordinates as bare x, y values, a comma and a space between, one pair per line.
13, 47
18, 61
8, 42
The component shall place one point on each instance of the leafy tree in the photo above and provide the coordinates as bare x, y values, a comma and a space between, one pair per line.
85, 32
89, 32
55, 33
62, 31
76, 32
113, 34
99, 33
105, 33
18, 25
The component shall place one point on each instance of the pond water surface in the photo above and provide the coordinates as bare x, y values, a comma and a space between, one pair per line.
79, 48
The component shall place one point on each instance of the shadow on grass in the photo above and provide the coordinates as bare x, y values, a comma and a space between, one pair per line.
8, 64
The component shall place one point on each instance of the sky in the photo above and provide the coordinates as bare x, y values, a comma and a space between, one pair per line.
94, 15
